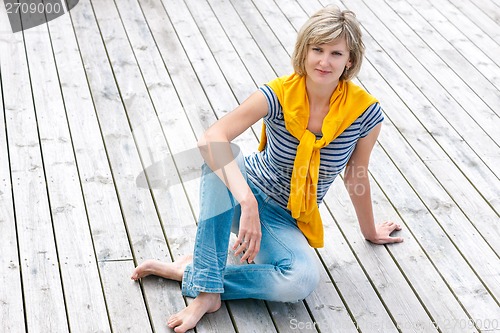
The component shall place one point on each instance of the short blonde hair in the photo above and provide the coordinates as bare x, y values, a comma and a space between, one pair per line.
326, 26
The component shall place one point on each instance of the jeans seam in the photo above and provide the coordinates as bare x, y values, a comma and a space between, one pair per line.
249, 270
200, 289
262, 206
290, 252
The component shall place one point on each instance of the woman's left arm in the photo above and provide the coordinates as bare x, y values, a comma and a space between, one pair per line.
357, 183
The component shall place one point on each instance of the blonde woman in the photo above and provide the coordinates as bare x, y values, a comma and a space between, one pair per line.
316, 124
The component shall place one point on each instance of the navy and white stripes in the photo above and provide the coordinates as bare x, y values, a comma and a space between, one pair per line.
271, 169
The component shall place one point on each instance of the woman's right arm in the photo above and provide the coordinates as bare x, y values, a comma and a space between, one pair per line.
215, 149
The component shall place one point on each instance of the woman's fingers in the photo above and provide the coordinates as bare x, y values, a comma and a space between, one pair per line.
241, 242
391, 226
247, 245
384, 231
240, 247
252, 250
248, 249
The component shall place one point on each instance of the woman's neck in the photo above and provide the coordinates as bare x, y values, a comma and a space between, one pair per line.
319, 96
319, 105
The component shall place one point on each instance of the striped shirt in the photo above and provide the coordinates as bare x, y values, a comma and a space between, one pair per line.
271, 169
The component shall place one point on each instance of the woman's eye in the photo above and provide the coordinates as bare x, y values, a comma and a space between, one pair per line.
316, 49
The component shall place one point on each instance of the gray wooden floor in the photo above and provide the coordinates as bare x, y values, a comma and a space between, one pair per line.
102, 108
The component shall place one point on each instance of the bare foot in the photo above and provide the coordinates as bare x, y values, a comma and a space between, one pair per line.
173, 270
190, 316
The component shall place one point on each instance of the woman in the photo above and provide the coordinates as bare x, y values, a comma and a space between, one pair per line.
316, 123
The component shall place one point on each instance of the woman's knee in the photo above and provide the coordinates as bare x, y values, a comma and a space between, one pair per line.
307, 279
302, 279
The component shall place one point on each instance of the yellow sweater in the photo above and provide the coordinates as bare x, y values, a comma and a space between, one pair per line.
347, 103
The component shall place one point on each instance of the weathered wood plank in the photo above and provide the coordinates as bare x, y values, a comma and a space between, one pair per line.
126, 303
462, 189
136, 203
481, 19
200, 57
219, 94
479, 132
437, 278
469, 28
466, 50
291, 316
472, 69
243, 42
490, 8
41, 281
467, 25
101, 200
83, 295
174, 123
416, 272
226, 55
140, 215
381, 270
264, 37
463, 247
455, 149
243, 309
278, 23
11, 294
436, 297
102, 205
453, 213
161, 130
429, 227
327, 307
452, 142
460, 121
354, 281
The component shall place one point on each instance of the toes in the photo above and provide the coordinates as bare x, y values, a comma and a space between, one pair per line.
174, 321
181, 329
135, 274
142, 270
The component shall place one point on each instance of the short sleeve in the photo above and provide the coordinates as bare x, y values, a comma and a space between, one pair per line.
370, 118
274, 110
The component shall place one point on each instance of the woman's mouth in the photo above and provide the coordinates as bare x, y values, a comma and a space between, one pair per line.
323, 72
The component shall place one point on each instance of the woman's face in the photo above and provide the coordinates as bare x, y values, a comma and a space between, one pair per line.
325, 63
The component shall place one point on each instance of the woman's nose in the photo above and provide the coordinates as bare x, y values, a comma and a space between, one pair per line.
323, 60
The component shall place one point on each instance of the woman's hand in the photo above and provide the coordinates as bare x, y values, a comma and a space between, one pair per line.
383, 233
249, 234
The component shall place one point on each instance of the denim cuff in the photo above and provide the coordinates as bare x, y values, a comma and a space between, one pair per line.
191, 289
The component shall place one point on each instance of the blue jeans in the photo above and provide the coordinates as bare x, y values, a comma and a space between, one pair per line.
285, 269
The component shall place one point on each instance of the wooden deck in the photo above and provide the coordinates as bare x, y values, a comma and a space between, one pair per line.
101, 112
